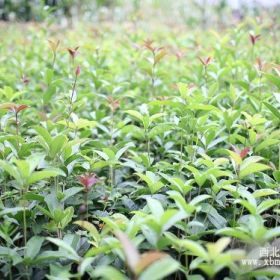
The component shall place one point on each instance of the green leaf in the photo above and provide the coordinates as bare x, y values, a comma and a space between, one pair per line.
71, 253
171, 217
155, 207
236, 233
266, 204
44, 133
159, 129
264, 192
57, 144
272, 109
272, 233
199, 199
13, 210
252, 168
108, 273
90, 228
266, 143
131, 253
121, 151
44, 174
71, 192
195, 248
215, 249
273, 79
33, 246
160, 269
85, 265
135, 114
276, 175
10, 169
33, 196
10, 254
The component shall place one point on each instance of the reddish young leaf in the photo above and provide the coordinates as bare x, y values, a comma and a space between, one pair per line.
25, 79
161, 53
54, 45
13, 107
205, 61
148, 45
131, 253
88, 180
254, 38
21, 107
148, 259
113, 103
259, 64
179, 55
78, 71
73, 52
244, 152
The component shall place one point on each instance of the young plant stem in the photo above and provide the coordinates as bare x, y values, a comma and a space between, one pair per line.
54, 59
260, 92
24, 226
253, 53
86, 203
278, 207
10, 271
59, 232
148, 145
153, 79
205, 76
235, 208
24, 219
17, 128
279, 157
56, 184
111, 171
181, 149
71, 101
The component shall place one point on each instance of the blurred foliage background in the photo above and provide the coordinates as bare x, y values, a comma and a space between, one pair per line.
190, 12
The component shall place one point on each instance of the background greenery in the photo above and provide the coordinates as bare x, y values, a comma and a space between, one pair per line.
139, 142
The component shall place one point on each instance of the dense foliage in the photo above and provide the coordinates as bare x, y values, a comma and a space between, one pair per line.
126, 158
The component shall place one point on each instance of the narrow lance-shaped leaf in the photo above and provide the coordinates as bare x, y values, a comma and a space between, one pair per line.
44, 174
131, 253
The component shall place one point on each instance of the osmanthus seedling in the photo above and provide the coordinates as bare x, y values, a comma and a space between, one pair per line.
25, 79
245, 166
158, 53
210, 258
73, 52
154, 220
254, 39
251, 230
152, 180
146, 120
148, 265
111, 157
113, 104
25, 174
54, 210
87, 180
205, 63
15, 109
73, 95
260, 67
179, 54
252, 203
275, 80
54, 47
140, 266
